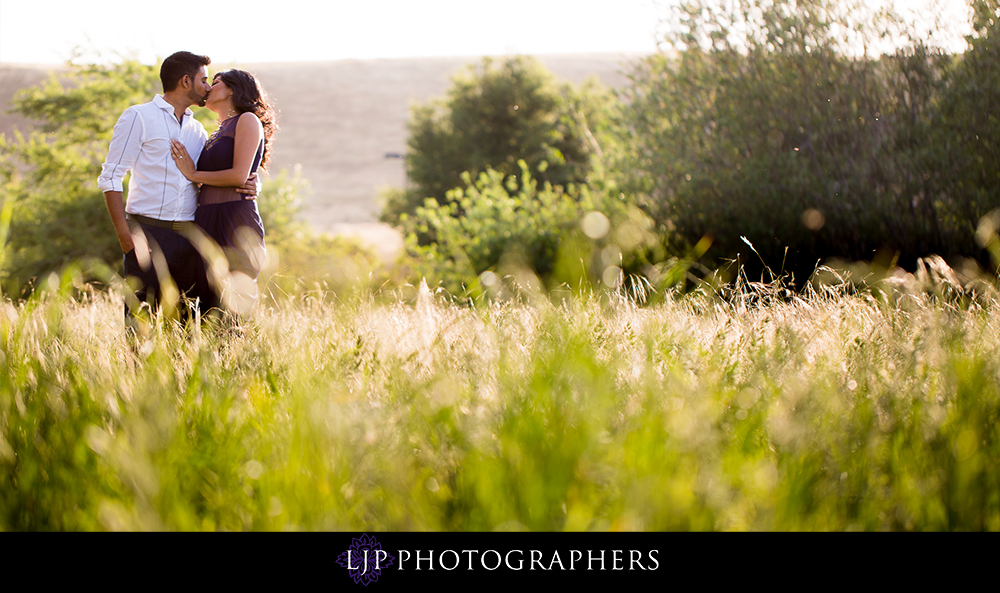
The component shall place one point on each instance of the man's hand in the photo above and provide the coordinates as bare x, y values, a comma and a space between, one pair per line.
251, 188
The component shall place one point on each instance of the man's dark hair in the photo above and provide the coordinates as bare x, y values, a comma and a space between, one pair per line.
177, 65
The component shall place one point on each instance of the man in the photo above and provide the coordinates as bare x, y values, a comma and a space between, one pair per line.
152, 226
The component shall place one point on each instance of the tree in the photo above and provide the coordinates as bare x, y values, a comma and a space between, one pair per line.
51, 175
968, 129
496, 115
786, 125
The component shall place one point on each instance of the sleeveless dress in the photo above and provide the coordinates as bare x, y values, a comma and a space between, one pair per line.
232, 221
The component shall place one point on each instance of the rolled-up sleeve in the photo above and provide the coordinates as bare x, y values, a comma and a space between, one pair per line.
123, 151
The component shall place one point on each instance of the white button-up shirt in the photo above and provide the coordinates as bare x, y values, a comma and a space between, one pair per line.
141, 143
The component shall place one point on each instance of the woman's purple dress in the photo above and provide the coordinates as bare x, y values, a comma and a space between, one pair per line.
225, 215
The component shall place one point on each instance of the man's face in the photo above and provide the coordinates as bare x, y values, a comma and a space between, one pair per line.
200, 87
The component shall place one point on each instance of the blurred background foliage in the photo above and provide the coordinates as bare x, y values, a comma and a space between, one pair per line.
785, 129
50, 176
765, 123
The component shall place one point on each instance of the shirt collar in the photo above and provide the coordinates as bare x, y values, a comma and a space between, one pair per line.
160, 102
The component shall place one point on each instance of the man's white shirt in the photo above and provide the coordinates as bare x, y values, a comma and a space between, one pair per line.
141, 143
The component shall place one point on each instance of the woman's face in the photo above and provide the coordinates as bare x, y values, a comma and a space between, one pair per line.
218, 95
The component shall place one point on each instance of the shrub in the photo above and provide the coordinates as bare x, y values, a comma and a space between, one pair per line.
544, 236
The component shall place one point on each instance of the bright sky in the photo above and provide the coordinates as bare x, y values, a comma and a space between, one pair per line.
253, 31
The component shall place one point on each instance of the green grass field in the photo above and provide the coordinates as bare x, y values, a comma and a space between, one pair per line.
836, 410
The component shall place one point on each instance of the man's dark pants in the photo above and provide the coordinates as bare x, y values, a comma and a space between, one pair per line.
183, 263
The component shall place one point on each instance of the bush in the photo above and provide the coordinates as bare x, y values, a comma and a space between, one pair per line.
542, 237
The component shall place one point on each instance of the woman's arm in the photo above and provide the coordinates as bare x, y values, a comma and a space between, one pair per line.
249, 132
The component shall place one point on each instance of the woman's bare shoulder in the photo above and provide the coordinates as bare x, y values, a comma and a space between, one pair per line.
248, 116
248, 121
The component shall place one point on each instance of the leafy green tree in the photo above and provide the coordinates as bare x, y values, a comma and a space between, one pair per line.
494, 116
968, 125
50, 175
783, 124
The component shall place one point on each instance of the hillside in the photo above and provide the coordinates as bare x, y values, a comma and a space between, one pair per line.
340, 119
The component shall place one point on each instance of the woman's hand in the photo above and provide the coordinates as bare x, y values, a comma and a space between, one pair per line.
182, 159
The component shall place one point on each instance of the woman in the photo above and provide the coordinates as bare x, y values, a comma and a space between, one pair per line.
235, 151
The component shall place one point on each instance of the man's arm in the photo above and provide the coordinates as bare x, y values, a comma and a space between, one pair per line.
126, 142
116, 208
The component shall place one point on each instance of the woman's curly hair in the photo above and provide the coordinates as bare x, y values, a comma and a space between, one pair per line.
249, 96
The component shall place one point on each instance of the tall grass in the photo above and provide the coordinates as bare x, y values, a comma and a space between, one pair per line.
831, 411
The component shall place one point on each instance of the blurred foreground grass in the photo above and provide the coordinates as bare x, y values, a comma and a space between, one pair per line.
833, 411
